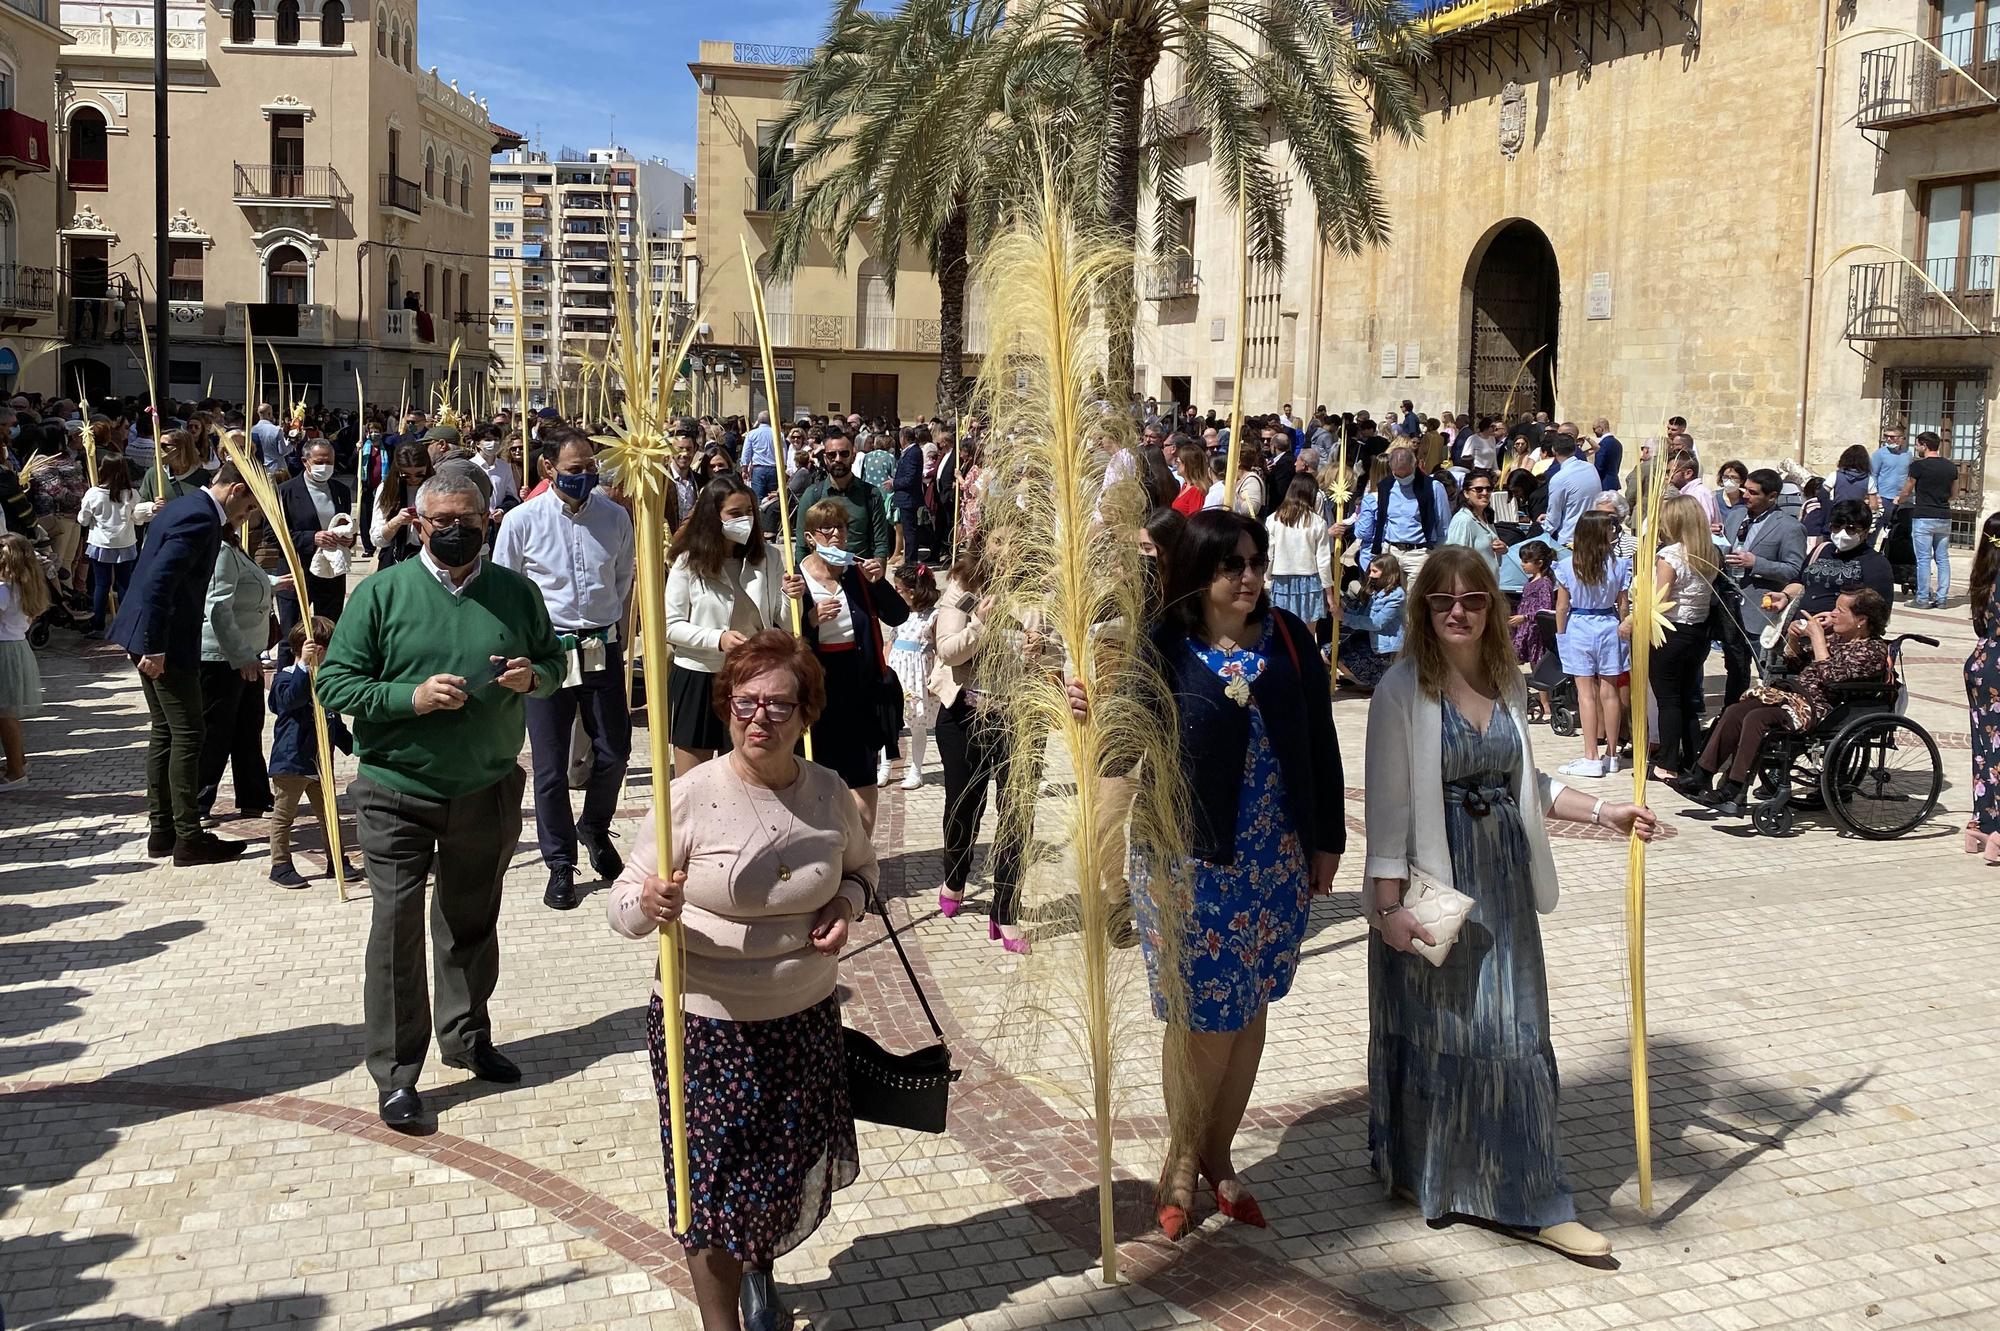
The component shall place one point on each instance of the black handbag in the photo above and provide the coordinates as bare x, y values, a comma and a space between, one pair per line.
900, 1090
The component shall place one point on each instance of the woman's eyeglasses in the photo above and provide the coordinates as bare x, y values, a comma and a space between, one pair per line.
1235, 566
743, 708
1473, 603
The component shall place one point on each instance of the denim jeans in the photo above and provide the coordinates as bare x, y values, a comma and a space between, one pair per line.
763, 480
1932, 539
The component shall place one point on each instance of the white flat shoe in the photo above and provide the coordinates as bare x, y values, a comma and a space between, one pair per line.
1570, 1238
913, 779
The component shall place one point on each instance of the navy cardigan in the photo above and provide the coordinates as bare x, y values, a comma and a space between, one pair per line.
1297, 704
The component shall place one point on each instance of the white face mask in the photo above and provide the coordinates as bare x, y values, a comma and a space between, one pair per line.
491, 448
319, 471
1732, 485
738, 529
1844, 541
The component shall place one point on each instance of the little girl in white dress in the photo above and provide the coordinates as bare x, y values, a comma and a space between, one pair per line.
911, 656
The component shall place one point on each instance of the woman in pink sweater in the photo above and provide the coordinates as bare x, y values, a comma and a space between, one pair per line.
772, 864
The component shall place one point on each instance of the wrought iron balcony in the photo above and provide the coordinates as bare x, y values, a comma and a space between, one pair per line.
1907, 84
765, 194
1890, 300
405, 196
24, 142
296, 186
1175, 276
27, 291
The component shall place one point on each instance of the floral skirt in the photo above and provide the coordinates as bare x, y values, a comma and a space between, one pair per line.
770, 1136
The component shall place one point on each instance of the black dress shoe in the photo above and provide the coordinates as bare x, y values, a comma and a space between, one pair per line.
207, 848
487, 1063
402, 1109
604, 859
759, 1303
1692, 783
160, 844
561, 892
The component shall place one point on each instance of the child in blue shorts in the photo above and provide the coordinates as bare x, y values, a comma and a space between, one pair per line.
1591, 637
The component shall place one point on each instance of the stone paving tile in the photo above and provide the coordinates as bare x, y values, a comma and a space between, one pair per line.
1823, 1071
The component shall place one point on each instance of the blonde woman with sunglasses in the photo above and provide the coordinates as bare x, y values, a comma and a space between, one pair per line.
1461, 1071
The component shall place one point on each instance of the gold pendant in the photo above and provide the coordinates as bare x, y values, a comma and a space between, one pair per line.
783, 873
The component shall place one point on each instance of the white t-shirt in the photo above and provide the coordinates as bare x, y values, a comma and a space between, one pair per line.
13, 619
1690, 591
839, 629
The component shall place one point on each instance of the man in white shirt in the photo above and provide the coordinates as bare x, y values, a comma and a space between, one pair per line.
576, 545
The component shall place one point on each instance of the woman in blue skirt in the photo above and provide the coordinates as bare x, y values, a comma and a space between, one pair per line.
1461, 1072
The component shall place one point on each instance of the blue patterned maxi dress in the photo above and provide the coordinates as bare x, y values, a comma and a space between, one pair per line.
1248, 919
1982, 697
1461, 1073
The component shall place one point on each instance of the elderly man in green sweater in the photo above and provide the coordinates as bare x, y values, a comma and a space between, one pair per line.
432, 658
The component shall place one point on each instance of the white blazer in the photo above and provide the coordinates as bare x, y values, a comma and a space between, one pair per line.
1405, 786
748, 598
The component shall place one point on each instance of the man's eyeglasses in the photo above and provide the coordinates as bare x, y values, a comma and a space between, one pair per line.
1235, 566
453, 523
1473, 603
743, 708
837, 455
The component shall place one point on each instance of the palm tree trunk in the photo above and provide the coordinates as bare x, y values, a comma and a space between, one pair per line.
1126, 103
951, 269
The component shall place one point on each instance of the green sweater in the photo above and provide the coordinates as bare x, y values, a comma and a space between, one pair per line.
402, 627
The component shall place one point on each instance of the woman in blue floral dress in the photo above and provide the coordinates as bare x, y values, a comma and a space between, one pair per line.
1982, 697
1266, 829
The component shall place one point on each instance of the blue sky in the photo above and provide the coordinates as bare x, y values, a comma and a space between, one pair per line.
568, 67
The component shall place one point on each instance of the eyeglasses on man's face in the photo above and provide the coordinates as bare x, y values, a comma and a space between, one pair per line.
744, 707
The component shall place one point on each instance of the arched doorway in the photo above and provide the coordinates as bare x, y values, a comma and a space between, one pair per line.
1516, 300
93, 376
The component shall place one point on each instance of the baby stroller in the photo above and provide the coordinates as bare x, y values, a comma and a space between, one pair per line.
1548, 676
59, 615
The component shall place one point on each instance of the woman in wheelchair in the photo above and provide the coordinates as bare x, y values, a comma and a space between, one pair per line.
1843, 644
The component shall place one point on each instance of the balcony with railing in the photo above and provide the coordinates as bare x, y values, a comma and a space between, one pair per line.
26, 293
291, 186
766, 194
1891, 300
1175, 276
92, 173
845, 332
399, 195
1175, 118
583, 251
120, 42
281, 323
1908, 84
24, 142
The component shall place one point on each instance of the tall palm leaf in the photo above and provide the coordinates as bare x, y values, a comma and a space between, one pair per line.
918, 125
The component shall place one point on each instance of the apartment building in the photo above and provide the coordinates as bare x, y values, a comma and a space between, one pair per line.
29, 40
842, 342
553, 224
327, 197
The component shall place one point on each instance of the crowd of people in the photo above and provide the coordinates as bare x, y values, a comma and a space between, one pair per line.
1432, 565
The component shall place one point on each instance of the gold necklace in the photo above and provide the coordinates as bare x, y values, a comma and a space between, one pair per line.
784, 870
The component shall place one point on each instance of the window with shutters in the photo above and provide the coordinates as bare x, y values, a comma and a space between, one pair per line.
288, 22
874, 309
184, 259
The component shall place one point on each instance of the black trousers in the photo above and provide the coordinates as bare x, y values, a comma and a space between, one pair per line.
977, 752
465, 843
1677, 687
607, 719
232, 714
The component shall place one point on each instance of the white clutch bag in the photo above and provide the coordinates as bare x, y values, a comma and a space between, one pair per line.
1440, 909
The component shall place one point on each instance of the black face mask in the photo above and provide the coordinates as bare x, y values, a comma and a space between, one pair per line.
455, 547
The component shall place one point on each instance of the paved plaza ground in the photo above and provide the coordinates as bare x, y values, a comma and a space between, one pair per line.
188, 1139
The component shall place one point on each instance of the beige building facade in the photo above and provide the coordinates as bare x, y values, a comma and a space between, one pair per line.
29, 40
1625, 185
327, 193
842, 343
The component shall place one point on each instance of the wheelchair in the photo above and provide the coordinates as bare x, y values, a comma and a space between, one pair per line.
1876, 772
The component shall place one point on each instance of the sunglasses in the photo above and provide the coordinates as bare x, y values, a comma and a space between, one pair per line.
836, 455
1473, 603
1479, 489
743, 708
1235, 566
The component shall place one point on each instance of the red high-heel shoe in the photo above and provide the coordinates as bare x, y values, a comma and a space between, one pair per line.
948, 905
1244, 1210
1018, 946
1173, 1220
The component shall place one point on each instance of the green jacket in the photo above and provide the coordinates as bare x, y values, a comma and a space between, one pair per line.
401, 628
869, 535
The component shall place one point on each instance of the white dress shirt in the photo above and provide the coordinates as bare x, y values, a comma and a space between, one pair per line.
443, 574
584, 561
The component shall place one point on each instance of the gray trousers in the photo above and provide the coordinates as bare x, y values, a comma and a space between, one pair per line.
467, 843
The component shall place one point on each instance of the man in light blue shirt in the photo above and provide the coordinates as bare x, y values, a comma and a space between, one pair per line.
1408, 513
269, 439
1888, 472
760, 456
1573, 490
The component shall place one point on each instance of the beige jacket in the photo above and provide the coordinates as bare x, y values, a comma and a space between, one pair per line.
958, 630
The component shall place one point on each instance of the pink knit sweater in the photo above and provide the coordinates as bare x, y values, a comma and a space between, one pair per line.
749, 946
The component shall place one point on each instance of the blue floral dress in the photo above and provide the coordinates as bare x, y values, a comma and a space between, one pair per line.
1982, 697
1247, 919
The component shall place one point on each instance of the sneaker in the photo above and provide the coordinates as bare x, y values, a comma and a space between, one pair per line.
284, 875
914, 778
1610, 764
1592, 767
883, 771
14, 782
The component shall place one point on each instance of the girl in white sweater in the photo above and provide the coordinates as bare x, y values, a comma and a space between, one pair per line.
111, 515
1301, 554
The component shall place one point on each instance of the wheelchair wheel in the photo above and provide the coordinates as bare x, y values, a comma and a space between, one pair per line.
1882, 776
1563, 720
1772, 819
38, 635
